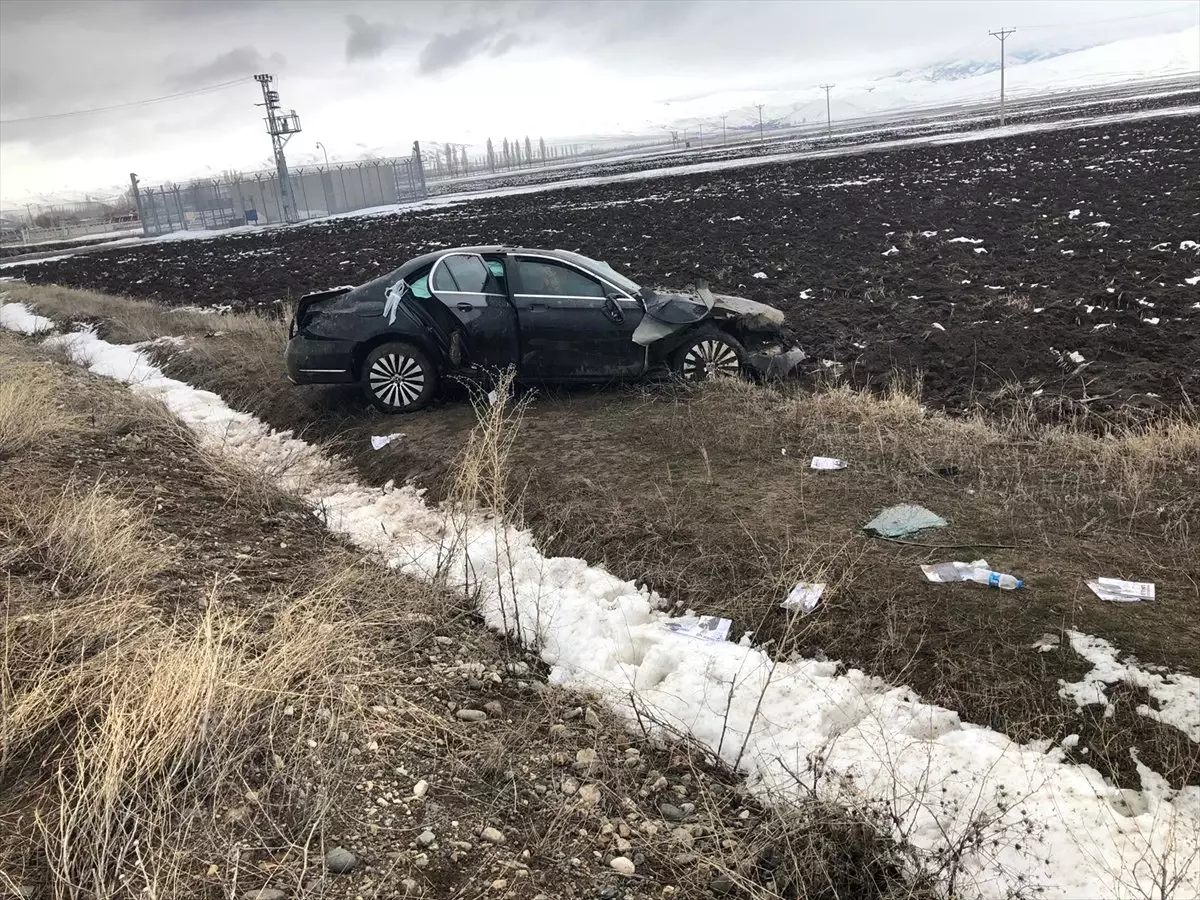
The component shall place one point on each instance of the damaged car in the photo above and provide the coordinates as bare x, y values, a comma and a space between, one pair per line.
552, 315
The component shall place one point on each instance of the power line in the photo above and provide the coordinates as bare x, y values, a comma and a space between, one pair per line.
828, 115
131, 104
1002, 36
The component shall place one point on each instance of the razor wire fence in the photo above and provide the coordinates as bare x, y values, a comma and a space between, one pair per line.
254, 198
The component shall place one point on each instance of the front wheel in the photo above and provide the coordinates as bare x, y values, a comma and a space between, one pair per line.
399, 378
709, 353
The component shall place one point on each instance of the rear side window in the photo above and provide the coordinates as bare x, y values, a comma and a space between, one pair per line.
464, 274
420, 287
549, 279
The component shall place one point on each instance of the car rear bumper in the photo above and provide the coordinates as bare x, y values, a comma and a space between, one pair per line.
319, 362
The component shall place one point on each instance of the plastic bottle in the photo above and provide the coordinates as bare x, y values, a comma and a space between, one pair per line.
995, 579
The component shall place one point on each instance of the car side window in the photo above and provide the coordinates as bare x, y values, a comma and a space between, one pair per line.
464, 274
420, 287
541, 277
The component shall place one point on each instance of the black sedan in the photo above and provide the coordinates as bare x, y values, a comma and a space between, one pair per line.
553, 315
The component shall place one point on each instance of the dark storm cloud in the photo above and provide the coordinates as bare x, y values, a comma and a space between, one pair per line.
236, 63
448, 51
367, 40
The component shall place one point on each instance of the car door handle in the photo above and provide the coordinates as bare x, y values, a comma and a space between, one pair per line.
465, 307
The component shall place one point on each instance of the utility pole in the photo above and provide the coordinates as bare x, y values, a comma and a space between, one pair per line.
760, 130
321, 147
700, 139
828, 115
1001, 36
723, 118
280, 126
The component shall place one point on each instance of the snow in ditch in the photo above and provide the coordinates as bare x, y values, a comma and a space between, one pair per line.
17, 317
1177, 695
792, 726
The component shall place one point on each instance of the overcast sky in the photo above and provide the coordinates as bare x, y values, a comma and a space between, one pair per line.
372, 76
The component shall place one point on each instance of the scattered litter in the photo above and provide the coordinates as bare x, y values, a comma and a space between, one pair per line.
1045, 644
978, 571
378, 442
492, 398
1118, 591
827, 462
709, 628
904, 519
1076, 357
759, 275
804, 596
834, 367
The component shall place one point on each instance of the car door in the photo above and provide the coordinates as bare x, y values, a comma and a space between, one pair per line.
573, 324
465, 285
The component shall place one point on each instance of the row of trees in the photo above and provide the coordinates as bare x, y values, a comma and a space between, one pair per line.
452, 160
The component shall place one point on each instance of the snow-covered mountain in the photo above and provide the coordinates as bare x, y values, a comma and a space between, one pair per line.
1028, 72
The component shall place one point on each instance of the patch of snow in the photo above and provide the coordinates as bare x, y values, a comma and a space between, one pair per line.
1101, 225
1190, 245
994, 287
938, 326
1177, 695
759, 275
1073, 214
806, 294
34, 262
892, 252
18, 317
1193, 281
929, 234
1151, 321
965, 240
788, 723
980, 250
1076, 357
735, 219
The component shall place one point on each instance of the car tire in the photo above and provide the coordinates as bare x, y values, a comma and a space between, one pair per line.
398, 377
709, 353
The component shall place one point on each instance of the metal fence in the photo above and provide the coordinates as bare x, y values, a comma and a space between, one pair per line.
253, 198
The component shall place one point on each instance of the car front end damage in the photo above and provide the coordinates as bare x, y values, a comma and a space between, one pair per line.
759, 328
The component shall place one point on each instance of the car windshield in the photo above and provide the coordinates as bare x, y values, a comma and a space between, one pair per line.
604, 269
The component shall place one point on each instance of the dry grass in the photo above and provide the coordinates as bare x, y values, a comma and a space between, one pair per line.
29, 411
124, 320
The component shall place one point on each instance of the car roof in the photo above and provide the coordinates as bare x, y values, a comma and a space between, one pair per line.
425, 259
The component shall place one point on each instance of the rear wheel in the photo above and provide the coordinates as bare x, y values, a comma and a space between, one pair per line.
399, 377
707, 354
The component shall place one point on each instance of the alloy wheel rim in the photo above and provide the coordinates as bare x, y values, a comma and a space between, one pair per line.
710, 359
396, 379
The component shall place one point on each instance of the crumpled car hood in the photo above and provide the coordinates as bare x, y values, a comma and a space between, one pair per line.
668, 311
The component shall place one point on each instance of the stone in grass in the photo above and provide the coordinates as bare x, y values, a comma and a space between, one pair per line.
471, 715
492, 835
623, 865
267, 893
339, 861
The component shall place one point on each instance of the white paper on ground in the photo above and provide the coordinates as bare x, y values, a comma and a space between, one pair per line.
947, 572
804, 596
378, 442
1118, 591
827, 462
711, 628
492, 397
